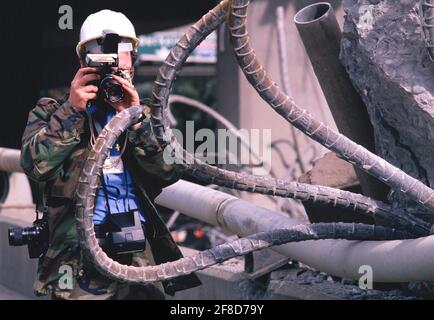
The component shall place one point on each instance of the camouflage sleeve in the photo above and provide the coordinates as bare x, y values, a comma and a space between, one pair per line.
150, 155
52, 132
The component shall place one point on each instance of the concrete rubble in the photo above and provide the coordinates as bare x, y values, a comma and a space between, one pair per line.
383, 52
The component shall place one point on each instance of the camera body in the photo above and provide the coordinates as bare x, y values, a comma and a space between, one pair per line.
122, 234
109, 88
127, 235
35, 237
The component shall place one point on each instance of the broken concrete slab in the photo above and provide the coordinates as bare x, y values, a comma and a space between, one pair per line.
331, 171
384, 54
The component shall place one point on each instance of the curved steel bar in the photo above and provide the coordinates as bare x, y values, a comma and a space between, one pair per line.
304, 121
319, 195
85, 202
207, 173
174, 61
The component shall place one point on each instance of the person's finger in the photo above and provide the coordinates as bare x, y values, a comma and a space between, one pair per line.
84, 80
130, 90
123, 81
90, 96
132, 95
86, 70
90, 88
127, 86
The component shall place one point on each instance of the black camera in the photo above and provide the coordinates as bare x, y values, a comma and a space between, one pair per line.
109, 87
35, 237
122, 234
127, 235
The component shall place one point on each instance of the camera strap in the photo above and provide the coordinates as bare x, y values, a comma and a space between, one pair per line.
41, 200
95, 126
95, 129
104, 188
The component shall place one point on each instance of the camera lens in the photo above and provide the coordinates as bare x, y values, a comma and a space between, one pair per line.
112, 89
15, 237
35, 237
22, 236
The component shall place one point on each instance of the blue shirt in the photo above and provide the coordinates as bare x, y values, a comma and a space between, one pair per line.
121, 190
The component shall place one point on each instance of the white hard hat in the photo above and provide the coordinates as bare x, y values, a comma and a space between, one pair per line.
97, 24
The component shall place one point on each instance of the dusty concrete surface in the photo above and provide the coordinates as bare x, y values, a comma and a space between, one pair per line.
7, 294
383, 52
334, 172
331, 171
305, 283
290, 282
225, 281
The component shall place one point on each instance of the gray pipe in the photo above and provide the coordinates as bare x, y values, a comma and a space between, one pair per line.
10, 160
321, 36
391, 261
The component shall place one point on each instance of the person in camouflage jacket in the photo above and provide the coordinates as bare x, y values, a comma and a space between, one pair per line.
55, 146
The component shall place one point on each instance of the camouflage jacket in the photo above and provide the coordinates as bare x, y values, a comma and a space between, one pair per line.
55, 145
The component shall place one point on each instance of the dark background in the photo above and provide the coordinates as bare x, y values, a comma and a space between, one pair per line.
37, 54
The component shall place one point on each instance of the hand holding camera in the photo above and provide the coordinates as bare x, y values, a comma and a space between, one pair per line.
82, 90
106, 76
130, 95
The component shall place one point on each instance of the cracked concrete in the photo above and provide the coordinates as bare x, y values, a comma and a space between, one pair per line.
383, 52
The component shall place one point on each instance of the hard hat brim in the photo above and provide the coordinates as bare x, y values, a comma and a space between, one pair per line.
80, 45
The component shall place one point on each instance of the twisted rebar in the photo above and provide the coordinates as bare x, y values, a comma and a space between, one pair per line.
314, 194
85, 199
304, 121
174, 61
89, 179
251, 183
